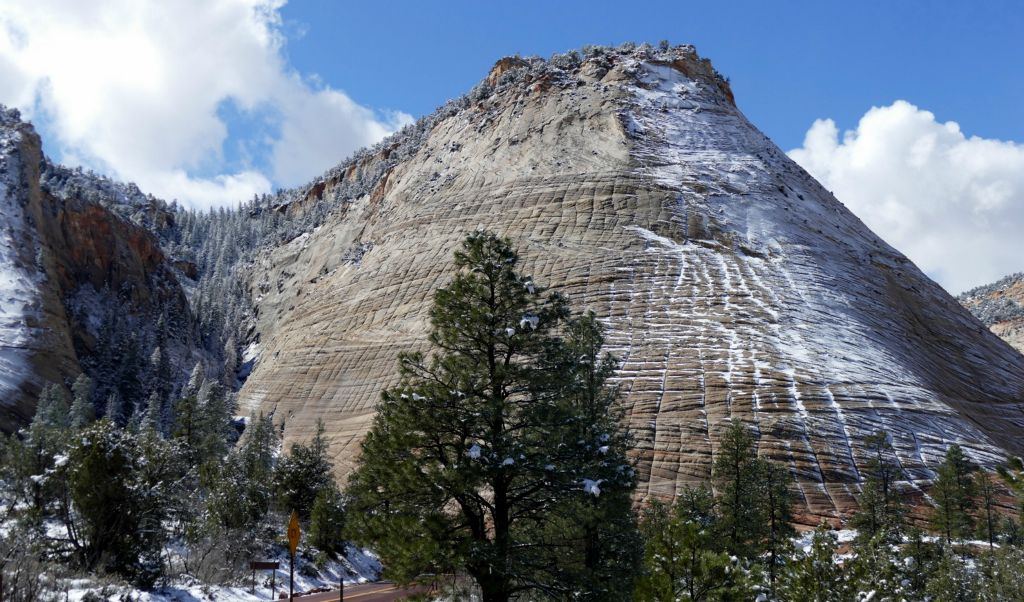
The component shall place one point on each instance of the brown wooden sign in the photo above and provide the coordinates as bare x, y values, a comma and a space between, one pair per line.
265, 565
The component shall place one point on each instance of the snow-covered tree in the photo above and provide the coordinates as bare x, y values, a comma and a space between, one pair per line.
82, 410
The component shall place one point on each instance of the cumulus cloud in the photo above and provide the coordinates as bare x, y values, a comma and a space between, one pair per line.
136, 89
954, 205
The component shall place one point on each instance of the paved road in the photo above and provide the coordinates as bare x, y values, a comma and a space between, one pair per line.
367, 592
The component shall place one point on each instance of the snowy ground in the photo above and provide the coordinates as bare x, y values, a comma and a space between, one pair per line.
360, 566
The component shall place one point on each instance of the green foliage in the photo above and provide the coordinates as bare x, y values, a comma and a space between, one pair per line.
953, 493
737, 476
877, 566
814, 576
881, 509
1000, 578
119, 486
303, 474
501, 453
82, 411
985, 508
327, 520
777, 503
683, 559
950, 580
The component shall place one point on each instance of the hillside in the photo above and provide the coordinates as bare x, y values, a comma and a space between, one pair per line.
731, 283
1000, 306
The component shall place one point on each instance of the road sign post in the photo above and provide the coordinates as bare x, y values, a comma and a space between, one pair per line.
293, 542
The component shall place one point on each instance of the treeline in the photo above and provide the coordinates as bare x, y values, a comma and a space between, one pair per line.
737, 544
148, 500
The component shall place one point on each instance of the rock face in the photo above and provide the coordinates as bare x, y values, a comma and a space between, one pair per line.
1000, 306
732, 284
61, 260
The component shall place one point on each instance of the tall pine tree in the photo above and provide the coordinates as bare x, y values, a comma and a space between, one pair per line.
493, 450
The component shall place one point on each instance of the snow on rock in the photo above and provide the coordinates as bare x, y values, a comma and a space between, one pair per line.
474, 452
731, 285
762, 298
592, 487
529, 320
19, 276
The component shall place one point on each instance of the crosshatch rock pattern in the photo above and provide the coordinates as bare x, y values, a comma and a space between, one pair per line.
731, 283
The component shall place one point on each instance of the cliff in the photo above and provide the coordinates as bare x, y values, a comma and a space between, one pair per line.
731, 283
66, 265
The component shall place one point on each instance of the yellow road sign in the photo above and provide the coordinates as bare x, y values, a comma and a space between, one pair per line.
293, 532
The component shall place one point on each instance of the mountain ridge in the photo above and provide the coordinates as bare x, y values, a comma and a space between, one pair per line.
731, 283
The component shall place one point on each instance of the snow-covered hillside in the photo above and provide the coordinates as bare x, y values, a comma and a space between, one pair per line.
19, 291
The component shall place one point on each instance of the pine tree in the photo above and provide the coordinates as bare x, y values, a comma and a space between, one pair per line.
479, 457
683, 559
154, 419
881, 509
230, 363
161, 377
953, 493
777, 503
82, 410
987, 517
115, 410
118, 488
240, 492
950, 580
213, 422
327, 520
814, 576
736, 474
301, 475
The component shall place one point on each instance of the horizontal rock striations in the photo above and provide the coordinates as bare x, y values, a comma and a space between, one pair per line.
731, 283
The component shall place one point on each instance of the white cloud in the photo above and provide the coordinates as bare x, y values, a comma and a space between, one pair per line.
133, 89
954, 205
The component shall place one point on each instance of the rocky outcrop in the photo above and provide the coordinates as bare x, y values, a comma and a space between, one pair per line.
731, 283
1000, 306
63, 261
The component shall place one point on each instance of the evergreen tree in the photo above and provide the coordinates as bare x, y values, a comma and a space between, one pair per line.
82, 410
301, 475
950, 580
953, 493
213, 422
814, 576
777, 503
736, 473
52, 409
155, 413
880, 508
483, 452
877, 567
161, 379
682, 556
987, 517
1000, 578
327, 520
118, 490
230, 363
115, 409
241, 490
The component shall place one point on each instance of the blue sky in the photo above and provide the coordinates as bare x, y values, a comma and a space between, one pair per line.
789, 62
911, 112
